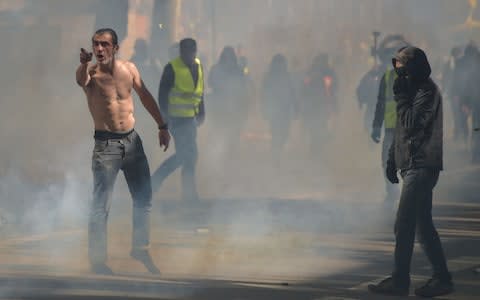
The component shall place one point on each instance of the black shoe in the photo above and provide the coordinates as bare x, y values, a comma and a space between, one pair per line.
435, 287
387, 287
144, 257
101, 269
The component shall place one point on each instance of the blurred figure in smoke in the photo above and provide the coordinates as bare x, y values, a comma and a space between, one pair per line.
117, 145
463, 90
245, 67
469, 96
417, 152
180, 96
446, 77
242, 59
385, 108
145, 64
229, 108
320, 100
367, 90
279, 103
449, 68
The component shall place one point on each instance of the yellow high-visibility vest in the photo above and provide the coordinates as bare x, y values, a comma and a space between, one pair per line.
185, 98
390, 116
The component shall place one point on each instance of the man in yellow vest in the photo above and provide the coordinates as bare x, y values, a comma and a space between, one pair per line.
180, 99
386, 115
386, 108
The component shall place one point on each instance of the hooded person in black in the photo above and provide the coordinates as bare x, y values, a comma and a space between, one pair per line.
417, 152
229, 100
468, 93
279, 103
463, 89
319, 104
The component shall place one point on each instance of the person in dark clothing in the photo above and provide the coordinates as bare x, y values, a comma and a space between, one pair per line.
447, 79
180, 97
319, 101
229, 100
449, 68
462, 90
279, 103
469, 96
417, 151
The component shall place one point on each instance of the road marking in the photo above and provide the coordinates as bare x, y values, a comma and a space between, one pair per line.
39, 237
459, 232
280, 287
336, 298
460, 263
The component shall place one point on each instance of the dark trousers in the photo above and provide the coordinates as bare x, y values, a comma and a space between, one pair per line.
415, 212
109, 157
460, 129
476, 135
279, 129
184, 132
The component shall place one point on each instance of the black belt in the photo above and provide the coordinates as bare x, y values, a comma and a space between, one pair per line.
108, 135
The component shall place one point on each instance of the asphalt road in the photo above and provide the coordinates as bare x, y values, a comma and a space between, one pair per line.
249, 249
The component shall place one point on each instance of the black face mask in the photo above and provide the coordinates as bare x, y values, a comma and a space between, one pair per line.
401, 71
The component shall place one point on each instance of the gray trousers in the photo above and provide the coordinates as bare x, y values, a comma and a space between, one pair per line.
392, 190
109, 157
184, 132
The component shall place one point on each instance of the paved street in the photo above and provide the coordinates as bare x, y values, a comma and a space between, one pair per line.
253, 249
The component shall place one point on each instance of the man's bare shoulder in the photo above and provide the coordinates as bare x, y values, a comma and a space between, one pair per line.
123, 63
126, 65
130, 66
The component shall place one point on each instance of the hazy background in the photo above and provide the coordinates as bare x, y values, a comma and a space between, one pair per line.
47, 132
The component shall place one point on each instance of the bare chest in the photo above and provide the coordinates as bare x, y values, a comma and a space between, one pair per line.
111, 86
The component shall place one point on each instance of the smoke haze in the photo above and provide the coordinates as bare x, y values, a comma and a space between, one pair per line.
47, 132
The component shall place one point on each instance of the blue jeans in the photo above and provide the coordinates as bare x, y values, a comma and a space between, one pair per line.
415, 212
109, 157
184, 132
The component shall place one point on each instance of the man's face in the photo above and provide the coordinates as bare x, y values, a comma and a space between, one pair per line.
400, 68
188, 55
103, 48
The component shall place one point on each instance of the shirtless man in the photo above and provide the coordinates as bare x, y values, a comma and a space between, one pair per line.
108, 85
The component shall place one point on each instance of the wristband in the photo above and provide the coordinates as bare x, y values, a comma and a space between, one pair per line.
164, 126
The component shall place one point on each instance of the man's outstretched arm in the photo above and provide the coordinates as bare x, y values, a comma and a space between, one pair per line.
83, 78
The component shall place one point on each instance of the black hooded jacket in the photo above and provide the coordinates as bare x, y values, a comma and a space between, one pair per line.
418, 139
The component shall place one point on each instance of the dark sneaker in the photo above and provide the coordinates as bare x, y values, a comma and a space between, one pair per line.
435, 287
101, 269
387, 287
144, 257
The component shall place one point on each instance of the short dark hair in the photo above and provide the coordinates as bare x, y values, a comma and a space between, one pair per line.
112, 33
188, 43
